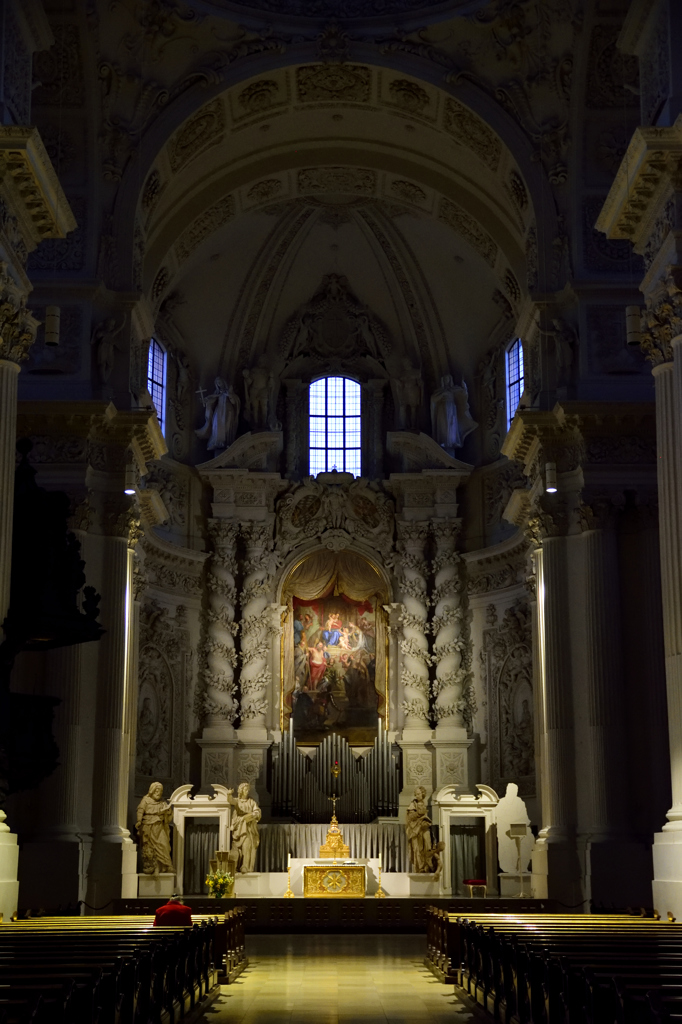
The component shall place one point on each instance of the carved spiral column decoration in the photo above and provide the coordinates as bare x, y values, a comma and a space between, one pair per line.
451, 646
414, 644
256, 626
217, 700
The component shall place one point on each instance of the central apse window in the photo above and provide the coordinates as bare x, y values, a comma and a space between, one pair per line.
334, 425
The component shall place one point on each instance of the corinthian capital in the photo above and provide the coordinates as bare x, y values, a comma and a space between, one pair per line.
662, 318
18, 326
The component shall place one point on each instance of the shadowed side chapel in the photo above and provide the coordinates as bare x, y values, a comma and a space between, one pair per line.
340, 546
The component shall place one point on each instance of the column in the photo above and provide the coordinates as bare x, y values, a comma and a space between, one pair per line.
667, 851
450, 653
113, 865
9, 372
556, 870
415, 660
219, 704
257, 630
616, 867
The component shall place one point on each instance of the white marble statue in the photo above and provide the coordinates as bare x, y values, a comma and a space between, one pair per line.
154, 815
259, 388
244, 828
418, 830
222, 416
409, 394
451, 419
104, 338
511, 810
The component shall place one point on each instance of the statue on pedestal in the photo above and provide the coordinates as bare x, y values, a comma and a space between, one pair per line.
154, 816
259, 389
418, 829
244, 828
450, 416
222, 416
409, 392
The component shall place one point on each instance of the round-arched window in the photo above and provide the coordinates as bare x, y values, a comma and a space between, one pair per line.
335, 429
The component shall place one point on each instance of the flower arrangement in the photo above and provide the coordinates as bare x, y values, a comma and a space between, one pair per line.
220, 884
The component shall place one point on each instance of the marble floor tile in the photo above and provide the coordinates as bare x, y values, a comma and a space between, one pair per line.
336, 979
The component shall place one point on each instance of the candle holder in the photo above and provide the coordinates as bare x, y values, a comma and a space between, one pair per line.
289, 895
380, 894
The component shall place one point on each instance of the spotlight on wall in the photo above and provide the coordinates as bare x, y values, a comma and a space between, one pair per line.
633, 325
550, 477
52, 318
130, 480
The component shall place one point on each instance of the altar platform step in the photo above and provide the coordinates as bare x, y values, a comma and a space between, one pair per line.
273, 915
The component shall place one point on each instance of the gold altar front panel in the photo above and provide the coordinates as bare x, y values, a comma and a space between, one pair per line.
337, 881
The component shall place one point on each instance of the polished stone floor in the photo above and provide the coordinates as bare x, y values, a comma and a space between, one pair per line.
329, 979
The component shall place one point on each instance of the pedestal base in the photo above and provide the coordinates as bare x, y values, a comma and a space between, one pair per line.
162, 884
667, 883
422, 885
515, 883
9, 886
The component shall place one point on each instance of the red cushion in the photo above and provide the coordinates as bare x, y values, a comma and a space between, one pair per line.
173, 914
475, 881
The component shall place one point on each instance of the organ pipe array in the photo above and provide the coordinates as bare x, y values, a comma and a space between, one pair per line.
367, 786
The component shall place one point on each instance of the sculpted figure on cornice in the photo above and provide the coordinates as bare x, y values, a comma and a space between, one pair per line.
335, 514
222, 416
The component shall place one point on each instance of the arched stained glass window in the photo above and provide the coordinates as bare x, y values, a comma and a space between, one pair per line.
515, 378
335, 430
156, 380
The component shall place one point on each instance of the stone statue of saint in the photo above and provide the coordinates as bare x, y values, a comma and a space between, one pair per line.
154, 815
450, 416
418, 829
409, 392
104, 339
244, 828
259, 387
222, 416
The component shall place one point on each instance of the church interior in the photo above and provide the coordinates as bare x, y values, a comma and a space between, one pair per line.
340, 507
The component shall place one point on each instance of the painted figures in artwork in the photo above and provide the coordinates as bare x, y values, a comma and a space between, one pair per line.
244, 828
334, 670
418, 830
154, 815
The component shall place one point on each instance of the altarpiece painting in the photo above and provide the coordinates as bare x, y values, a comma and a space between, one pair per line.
334, 666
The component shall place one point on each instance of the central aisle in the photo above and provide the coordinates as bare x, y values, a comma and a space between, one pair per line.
325, 979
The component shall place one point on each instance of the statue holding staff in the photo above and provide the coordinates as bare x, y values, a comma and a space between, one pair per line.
154, 816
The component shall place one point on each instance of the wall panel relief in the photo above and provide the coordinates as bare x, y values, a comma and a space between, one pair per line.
507, 657
165, 656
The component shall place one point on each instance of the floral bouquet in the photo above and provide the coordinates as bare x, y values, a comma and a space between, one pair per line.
220, 884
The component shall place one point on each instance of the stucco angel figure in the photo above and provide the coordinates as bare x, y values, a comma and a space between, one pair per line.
154, 815
451, 419
104, 338
409, 393
244, 828
222, 416
418, 830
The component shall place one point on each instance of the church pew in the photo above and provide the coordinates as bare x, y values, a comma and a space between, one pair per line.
561, 967
128, 971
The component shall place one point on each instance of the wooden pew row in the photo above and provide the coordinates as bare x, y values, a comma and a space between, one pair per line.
561, 969
114, 970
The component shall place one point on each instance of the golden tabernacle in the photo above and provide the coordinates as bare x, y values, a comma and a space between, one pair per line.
337, 881
334, 847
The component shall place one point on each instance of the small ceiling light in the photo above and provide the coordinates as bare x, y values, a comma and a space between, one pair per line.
130, 480
550, 477
52, 317
633, 325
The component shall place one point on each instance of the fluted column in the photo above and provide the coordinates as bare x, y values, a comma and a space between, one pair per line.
256, 625
8, 434
449, 644
669, 485
221, 655
604, 674
414, 645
